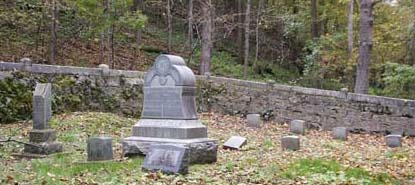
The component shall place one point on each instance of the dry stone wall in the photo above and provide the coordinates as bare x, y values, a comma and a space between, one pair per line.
319, 108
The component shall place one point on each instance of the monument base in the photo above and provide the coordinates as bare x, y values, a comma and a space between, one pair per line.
45, 148
201, 150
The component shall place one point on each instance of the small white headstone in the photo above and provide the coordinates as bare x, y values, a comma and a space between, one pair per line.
235, 142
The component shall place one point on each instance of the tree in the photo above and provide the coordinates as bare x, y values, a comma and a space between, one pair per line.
190, 25
350, 30
258, 20
314, 19
53, 32
207, 44
247, 31
365, 48
169, 26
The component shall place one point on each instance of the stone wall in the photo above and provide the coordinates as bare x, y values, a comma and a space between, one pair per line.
121, 92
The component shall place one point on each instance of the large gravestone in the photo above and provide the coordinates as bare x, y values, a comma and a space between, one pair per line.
42, 137
169, 113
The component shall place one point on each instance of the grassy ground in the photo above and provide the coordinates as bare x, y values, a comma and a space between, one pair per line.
363, 159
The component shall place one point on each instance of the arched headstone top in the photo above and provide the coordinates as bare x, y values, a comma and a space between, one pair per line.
169, 70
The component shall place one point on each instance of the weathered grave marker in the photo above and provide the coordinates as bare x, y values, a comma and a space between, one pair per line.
254, 120
290, 143
235, 142
169, 113
100, 149
393, 140
297, 127
167, 158
340, 133
42, 138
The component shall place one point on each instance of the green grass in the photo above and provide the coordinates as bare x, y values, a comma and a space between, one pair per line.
63, 167
329, 171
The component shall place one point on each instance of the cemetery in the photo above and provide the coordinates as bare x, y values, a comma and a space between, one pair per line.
169, 126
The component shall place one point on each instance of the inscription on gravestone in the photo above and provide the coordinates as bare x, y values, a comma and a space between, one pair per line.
167, 158
42, 106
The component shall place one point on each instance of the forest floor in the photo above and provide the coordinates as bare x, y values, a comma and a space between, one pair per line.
362, 159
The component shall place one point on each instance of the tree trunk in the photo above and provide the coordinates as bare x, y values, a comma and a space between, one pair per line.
240, 39
138, 5
365, 48
169, 26
53, 33
190, 25
206, 37
258, 21
247, 30
350, 30
314, 20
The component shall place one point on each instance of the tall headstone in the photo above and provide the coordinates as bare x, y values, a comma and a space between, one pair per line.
169, 113
42, 137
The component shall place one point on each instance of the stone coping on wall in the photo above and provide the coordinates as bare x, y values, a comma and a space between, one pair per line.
71, 70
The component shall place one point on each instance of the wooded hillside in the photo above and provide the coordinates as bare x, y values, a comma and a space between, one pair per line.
367, 46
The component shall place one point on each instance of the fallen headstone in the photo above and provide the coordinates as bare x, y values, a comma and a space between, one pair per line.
100, 149
235, 142
167, 158
290, 143
297, 127
393, 140
253, 120
340, 133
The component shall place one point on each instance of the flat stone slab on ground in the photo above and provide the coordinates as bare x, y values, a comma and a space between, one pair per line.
297, 127
235, 142
254, 120
45, 148
393, 140
290, 142
201, 150
100, 149
167, 158
340, 133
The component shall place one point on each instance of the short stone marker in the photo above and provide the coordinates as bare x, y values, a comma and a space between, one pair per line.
297, 127
167, 158
290, 143
235, 142
42, 138
100, 149
254, 120
340, 133
393, 140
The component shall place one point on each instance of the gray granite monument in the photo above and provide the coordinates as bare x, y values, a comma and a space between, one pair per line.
167, 158
42, 137
169, 113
